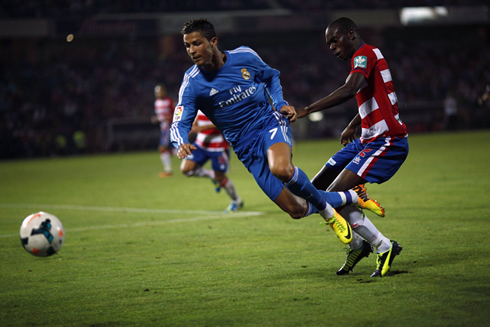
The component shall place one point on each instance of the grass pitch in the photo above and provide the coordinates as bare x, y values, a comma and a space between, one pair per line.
145, 251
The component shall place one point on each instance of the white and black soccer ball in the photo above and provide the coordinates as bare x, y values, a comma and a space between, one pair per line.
42, 234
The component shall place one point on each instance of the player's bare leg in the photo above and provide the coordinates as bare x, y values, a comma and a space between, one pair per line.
165, 157
324, 178
227, 184
191, 168
220, 180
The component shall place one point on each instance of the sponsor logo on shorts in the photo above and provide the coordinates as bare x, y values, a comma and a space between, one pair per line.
331, 162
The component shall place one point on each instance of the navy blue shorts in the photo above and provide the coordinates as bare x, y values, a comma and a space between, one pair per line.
165, 138
376, 161
220, 160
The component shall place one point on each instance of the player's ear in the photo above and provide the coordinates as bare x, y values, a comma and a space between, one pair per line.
351, 34
214, 41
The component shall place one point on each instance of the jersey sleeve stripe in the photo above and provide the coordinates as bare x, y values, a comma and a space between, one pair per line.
386, 75
378, 53
247, 50
393, 98
187, 78
175, 135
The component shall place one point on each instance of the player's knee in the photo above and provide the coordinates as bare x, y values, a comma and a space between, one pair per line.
296, 211
220, 176
187, 171
296, 215
282, 172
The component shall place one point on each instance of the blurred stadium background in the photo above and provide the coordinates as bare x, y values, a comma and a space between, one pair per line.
78, 76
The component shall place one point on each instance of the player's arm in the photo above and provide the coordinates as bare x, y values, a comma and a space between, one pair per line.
198, 129
179, 133
349, 133
184, 116
270, 77
342, 94
273, 85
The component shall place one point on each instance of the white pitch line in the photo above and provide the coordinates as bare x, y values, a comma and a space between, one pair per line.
210, 215
118, 209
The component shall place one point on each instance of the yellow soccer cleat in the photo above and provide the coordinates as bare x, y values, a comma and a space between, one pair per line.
354, 256
341, 228
385, 259
365, 202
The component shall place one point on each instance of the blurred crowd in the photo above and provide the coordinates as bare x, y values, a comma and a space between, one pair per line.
62, 8
56, 96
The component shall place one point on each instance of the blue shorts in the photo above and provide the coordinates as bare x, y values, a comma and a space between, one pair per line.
165, 139
220, 160
376, 161
253, 153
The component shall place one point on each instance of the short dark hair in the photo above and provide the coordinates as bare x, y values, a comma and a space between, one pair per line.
344, 25
200, 25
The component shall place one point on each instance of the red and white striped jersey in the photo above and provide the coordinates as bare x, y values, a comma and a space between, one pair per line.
376, 99
210, 139
164, 109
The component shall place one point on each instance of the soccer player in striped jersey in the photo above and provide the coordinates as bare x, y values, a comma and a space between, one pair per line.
380, 151
232, 88
211, 145
164, 110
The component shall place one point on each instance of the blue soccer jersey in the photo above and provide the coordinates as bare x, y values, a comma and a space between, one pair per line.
235, 97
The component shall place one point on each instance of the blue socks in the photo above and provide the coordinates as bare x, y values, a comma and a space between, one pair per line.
300, 185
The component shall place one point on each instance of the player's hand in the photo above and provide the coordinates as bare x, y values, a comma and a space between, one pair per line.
348, 135
289, 112
185, 150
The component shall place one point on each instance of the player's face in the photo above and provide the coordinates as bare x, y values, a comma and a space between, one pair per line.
339, 43
159, 92
200, 49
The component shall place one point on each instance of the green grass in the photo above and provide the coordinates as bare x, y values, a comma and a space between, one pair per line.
179, 262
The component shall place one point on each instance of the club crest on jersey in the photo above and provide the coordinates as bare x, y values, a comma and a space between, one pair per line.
178, 113
245, 74
360, 61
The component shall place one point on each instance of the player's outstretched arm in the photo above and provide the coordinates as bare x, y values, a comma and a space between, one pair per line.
342, 94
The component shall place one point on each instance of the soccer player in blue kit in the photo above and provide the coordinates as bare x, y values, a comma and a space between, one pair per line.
232, 88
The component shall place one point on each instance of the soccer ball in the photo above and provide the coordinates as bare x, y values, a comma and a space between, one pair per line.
42, 234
